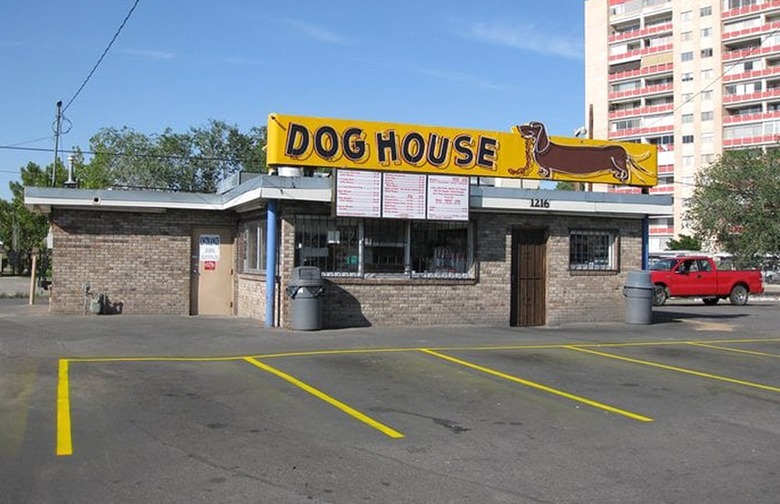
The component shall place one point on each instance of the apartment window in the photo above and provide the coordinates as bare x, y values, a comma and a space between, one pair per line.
687, 160
687, 76
686, 36
686, 56
626, 86
626, 124
706, 32
706, 95
705, 11
593, 250
706, 75
736, 4
707, 159
254, 246
686, 16
686, 139
371, 248
687, 118
686, 97
706, 53
707, 116
707, 138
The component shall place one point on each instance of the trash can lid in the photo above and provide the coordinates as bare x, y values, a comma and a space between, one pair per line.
306, 275
639, 279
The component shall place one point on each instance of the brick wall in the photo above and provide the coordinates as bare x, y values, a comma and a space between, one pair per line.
571, 296
140, 260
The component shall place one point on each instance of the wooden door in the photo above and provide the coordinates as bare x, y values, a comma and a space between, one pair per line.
529, 277
211, 268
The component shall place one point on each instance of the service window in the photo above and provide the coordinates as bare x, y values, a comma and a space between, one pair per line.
253, 236
384, 247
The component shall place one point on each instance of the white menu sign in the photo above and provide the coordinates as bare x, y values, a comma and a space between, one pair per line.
448, 198
403, 196
358, 193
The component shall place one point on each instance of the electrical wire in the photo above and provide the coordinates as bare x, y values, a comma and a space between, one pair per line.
100, 60
126, 154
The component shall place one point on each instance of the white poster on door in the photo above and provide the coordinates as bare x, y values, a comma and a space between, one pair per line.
209, 248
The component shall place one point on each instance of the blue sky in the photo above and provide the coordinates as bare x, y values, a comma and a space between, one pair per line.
486, 65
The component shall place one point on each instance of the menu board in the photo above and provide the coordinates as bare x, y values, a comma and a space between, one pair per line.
403, 196
448, 198
358, 193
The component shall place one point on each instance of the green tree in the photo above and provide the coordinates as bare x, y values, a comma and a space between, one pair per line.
565, 186
20, 229
194, 161
736, 204
684, 242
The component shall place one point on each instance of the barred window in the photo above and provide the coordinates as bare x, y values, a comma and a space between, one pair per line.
254, 246
593, 250
374, 247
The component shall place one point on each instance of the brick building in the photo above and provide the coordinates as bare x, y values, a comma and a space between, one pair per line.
523, 257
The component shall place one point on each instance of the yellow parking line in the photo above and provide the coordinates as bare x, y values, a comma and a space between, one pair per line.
678, 369
328, 399
735, 350
64, 444
539, 386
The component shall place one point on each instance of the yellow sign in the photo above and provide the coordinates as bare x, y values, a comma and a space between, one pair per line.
526, 152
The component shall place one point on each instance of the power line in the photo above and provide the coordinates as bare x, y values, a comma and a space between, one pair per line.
127, 154
105, 51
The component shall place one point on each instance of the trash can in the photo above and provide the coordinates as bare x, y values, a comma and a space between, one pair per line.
639, 297
305, 289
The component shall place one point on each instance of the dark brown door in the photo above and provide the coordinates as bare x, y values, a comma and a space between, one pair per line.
529, 277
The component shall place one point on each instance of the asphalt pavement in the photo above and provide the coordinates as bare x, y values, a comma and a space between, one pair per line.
166, 409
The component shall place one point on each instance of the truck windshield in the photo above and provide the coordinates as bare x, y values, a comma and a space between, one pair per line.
664, 265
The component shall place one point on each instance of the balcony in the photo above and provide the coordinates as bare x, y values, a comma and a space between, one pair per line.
753, 75
750, 141
742, 118
642, 32
751, 97
665, 169
661, 230
662, 189
643, 91
641, 111
643, 72
640, 132
740, 54
755, 30
751, 9
638, 53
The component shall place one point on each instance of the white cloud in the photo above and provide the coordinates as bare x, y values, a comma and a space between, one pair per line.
151, 55
529, 38
315, 32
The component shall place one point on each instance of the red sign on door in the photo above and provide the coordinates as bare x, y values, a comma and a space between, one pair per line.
209, 265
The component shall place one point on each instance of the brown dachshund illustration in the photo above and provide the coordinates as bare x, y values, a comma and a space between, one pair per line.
580, 160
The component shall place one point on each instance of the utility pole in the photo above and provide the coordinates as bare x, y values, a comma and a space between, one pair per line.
57, 131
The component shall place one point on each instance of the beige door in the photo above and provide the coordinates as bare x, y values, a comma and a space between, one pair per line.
211, 272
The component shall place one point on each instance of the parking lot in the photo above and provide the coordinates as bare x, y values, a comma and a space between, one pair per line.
175, 409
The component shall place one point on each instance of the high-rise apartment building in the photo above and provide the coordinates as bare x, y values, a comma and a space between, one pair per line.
691, 76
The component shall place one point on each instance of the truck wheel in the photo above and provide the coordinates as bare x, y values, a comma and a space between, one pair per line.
739, 295
710, 301
660, 295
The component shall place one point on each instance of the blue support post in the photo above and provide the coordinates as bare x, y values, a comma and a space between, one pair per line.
645, 242
270, 263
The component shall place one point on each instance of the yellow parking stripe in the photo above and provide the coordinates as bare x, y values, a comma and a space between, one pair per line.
539, 386
678, 369
735, 350
64, 444
328, 399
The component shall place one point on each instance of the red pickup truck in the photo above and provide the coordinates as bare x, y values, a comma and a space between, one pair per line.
698, 276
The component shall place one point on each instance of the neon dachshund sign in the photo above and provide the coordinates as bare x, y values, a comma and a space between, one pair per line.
364, 145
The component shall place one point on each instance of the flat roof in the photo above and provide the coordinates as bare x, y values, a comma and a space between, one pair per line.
253, 194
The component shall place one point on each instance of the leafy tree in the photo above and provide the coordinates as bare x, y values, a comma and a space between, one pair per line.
736, 203
684, 242
20, 229
194, 161
565, 186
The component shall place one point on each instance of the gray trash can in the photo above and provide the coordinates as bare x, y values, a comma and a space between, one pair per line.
305, 289
639, 297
